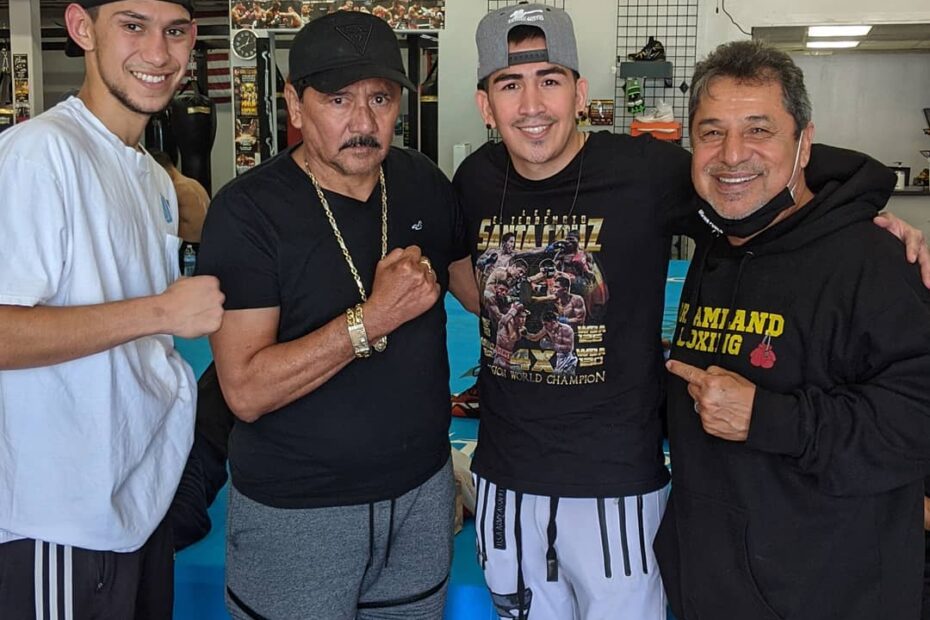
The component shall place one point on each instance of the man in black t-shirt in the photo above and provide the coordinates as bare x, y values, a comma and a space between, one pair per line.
571, 476
569, 463
332, 353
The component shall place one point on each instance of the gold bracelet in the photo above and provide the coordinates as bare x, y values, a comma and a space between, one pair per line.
357, 333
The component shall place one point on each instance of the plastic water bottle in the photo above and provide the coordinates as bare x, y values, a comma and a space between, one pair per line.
190, 261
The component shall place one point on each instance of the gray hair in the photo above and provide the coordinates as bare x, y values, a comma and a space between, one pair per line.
754, 62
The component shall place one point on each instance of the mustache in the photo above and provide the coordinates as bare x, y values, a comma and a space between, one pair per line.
716, 169
356, 141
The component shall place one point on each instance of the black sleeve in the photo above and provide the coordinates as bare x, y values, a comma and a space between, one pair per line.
238, 246
871, 434
671, 167
459, 236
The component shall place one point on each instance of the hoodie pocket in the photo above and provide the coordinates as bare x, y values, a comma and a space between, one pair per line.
716, 576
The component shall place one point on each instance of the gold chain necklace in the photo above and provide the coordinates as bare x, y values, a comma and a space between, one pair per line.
381, 343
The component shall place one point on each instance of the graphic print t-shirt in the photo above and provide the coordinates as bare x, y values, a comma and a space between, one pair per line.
571, 272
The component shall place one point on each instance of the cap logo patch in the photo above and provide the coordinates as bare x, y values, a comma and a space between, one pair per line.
522, 15
357, 35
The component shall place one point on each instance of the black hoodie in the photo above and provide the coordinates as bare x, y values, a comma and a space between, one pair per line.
818, 514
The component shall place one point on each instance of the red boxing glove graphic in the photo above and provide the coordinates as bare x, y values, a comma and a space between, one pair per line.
763, 356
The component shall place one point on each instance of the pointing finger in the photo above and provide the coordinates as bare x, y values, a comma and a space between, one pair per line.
691, 374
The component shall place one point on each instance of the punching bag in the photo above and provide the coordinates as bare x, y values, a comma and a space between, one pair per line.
159, 137
429, 114
193, 124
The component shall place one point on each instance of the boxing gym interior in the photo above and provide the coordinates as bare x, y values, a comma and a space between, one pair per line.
869, 86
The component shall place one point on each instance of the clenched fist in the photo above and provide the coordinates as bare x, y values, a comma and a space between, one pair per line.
194, 306
404, 288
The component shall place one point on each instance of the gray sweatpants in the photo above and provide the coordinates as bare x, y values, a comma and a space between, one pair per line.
386, 560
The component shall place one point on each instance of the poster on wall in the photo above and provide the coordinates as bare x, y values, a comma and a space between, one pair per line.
245, 96
21, 87
292, 14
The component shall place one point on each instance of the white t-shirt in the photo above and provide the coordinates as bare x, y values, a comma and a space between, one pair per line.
91, 450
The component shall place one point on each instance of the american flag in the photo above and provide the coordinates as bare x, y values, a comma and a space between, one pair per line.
218, 80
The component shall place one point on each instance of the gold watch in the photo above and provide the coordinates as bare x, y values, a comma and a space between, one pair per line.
357, 333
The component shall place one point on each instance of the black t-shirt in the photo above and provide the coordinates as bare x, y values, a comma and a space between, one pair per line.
569, 406
379, 427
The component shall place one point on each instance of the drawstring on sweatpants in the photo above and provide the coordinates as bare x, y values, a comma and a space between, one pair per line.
390, 534
552, 560
605, 544
624, 544
371, 534
642, 532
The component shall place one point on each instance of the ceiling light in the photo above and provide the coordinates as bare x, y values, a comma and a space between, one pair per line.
831, 44
838, 31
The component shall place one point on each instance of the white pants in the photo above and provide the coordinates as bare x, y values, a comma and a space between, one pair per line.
593, 561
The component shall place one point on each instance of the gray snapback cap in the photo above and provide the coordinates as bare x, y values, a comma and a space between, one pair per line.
556, 25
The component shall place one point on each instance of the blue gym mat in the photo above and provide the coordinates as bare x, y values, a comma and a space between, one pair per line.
199, 568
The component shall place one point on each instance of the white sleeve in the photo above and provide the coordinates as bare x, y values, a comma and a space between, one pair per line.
34, 238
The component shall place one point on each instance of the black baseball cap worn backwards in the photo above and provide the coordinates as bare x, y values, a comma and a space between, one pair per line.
345, 47
74, 50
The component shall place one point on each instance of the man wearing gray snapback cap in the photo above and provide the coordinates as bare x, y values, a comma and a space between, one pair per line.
96, 406
332, 353
569, 464
571, 476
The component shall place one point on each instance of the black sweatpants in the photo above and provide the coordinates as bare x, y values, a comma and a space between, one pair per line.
61, 582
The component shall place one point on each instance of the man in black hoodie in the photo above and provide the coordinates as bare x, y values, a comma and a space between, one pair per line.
799, 413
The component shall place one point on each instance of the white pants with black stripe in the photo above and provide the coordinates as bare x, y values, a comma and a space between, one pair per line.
570, 558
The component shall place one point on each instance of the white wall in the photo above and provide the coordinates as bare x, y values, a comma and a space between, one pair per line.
459, 120
59, 75
914, 210
871, 103
222, 161
714, 26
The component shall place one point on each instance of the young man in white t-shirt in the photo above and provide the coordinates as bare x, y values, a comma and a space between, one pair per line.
96, 406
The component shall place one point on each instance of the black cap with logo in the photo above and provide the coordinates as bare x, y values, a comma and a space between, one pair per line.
344, 47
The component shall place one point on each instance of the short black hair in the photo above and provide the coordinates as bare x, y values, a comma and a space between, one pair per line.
517, 35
